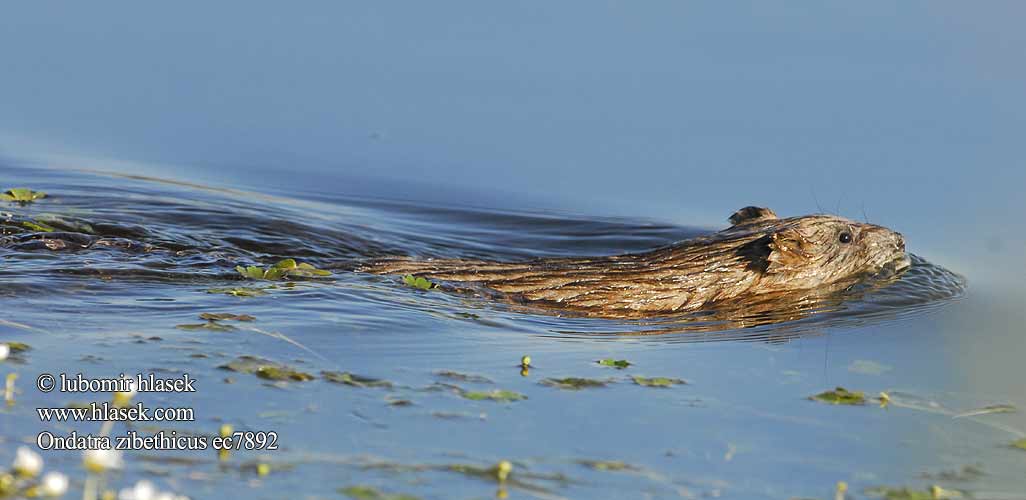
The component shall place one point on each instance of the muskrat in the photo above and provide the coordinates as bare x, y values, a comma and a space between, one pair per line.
759, 255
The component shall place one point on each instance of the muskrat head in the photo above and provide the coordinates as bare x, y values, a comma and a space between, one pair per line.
804, 252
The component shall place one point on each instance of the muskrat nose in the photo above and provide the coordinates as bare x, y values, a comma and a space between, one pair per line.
900, 241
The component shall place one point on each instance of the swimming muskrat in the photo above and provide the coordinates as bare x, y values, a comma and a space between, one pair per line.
758, 256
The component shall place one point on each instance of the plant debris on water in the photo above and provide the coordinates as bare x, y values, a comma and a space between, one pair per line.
1020, 444
574, 383
266, 369
354, 380
933, 493
614, 363
986, 410
285, 268
370, 493
966, 473
840, 396
657, 381
499, 395
607, 465
226, 317
464, 377
23, 195
209, 325
239, 291
418, 282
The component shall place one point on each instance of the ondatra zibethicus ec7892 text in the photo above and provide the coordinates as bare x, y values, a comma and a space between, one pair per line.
760, 254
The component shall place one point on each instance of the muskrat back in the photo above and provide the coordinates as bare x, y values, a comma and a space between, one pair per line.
758, 254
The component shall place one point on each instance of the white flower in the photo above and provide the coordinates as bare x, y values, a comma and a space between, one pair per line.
54, 484
5, 350
101, 460
27, 462
143, 490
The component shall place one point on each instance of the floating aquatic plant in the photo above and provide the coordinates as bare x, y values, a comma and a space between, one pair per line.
840, 396
239, 291
1020, 444
354, 380
657, 381
361, 492
418, 282
285, 268
573, 383
37, 226
933, 493
266, 369
500, 395
464, 377
369, 493
226, 317
22, 195
614, 363
607, 465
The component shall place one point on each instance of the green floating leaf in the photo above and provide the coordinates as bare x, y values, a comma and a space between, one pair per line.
266, 369
840, 396
499, 395
418, 282
464, 377
38, 227
657, 381
209, 325
607, 465
23, 195
370, 493
239, 291
282, 269
226, 317
573, 383
354, 380
614, 363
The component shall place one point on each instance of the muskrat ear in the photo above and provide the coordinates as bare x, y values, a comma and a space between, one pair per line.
751, 214
787, 250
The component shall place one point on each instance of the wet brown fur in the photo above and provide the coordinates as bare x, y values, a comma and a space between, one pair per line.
759, 254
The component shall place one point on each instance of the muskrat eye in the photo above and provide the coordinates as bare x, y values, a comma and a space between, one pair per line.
846, 237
